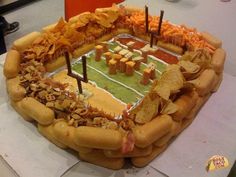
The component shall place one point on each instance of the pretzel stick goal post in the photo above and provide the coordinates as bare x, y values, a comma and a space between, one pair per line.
77, 77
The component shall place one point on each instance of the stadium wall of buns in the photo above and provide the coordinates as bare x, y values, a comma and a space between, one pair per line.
41, 100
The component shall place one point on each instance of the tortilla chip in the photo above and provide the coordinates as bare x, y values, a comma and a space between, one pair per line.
169, 108
171, 81
146, 110
189, 66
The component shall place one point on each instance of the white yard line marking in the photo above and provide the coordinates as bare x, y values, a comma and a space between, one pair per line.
100, 72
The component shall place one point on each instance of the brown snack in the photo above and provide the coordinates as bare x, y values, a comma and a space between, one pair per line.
112, 66
98, 52
98, 158
144, 160
12, 64
148, 133
211, 39
218, 60
137, 152
24, 42
94, 137
108, 57
185, 103
15, 91
146, 76
37, 111
117, 58
129, 68
47, 131
123, 64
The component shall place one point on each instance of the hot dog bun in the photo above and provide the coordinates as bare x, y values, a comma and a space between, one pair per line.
18, 107
148, 133
205, 82
143, 161
47, 131
23, 42
12, 64
217, 43
37, 111
135, 153
218, 60
99, 138
15, 91
184, 103
98, 158
65, 134
171, 47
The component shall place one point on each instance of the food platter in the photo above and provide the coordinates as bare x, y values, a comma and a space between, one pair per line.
144, 129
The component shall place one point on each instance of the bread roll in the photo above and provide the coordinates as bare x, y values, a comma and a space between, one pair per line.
135, 153
145, 160
55, 64
94, 137
148, 133
49, 27
37, 111
12, 64
218, 60
24, 42
212, 39
205, 82
175, 129
15, 91
200, 102
218, 81
47, 131
184, 103
83, 49
18, 107
170, 47
65, 134
98, 158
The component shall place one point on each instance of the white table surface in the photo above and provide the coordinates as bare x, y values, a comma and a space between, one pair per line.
213, 16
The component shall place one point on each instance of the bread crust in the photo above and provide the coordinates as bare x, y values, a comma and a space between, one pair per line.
98, 158
94, 137
25, 41
148, 133
15, 91
205, 82
218, 60
145, 160
214, 41
11, 66
185, 103
47, 131
136, 152
37, 111
171, 47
